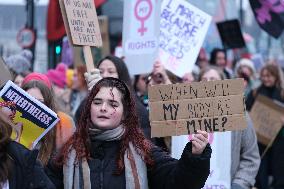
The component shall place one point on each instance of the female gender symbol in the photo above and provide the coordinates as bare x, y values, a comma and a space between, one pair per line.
142, 10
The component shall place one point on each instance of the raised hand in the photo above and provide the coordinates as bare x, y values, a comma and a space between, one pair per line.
199, 142
92, 78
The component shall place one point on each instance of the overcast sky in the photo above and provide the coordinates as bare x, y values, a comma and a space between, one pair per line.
23, 2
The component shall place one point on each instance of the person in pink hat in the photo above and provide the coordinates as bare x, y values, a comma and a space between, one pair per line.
58, 79
58, 75
40, 87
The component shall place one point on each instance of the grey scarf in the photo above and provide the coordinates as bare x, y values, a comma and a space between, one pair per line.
106, 135
77, 174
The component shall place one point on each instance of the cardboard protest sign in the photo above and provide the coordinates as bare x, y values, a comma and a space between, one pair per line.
32, 118
266, 117
141, 28
183, 29
81, 22
82, 26
213, 106
5, 74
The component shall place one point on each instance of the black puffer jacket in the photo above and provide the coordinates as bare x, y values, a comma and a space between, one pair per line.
191, 171
27, 172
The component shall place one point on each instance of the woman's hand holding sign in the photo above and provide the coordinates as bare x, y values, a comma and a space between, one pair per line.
199, 142
92, 78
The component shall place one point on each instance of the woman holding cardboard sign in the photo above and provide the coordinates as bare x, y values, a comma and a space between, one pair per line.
109, 150
272, 86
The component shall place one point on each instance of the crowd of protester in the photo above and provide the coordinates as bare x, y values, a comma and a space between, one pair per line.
103, 137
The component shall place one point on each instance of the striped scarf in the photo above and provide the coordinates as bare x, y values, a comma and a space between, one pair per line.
77, 174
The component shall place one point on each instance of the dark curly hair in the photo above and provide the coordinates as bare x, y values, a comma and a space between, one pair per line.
81, 140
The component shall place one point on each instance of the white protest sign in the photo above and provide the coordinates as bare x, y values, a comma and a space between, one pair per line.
183, 29
220, 164
141, 34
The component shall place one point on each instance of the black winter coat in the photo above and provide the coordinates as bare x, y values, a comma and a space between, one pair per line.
191, 171
27, 172
270, 92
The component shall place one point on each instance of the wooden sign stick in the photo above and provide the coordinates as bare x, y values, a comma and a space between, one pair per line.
88, 58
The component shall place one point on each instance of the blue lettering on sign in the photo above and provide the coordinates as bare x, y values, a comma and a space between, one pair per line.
29, 109
179, 29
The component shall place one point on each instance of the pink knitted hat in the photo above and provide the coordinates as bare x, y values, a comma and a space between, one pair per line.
58, 75
37, 77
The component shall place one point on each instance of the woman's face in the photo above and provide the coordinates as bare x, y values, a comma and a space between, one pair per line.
107, 108
211, 75
35, 92
267, 78
108, 69
221, 59
246, 70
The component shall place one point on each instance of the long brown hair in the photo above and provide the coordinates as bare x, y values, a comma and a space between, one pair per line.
48, 141
81, 140
5, 160
277, 73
